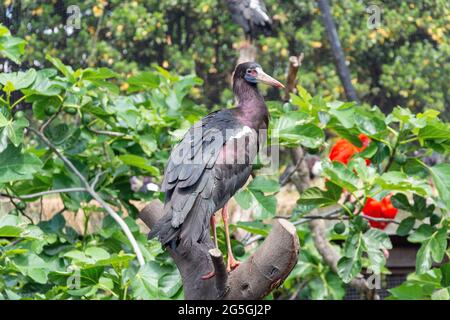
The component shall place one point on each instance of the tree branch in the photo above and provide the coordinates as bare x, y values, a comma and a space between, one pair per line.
95, 195
44, 193
221, 275
266, 269
294, 64
337, 51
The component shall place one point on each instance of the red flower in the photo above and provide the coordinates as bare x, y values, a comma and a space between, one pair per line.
343, 150
380, 209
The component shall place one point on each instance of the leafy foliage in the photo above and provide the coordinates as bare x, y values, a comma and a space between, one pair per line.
115, 117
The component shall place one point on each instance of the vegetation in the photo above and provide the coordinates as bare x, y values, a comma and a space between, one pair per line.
94, 124
403, 62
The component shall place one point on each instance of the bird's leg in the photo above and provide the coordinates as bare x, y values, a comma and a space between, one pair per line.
232, 263
214, 230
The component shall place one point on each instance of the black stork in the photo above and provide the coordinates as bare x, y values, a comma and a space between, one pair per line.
251, 15
211, 163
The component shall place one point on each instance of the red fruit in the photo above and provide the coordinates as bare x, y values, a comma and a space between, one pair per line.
380, 209
365, 140
343, 150
388, 210
374, 209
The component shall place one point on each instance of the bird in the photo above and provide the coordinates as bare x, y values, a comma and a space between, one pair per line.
252, 16
211, 163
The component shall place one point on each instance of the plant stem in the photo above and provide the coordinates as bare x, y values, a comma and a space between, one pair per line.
94, 195
43, 193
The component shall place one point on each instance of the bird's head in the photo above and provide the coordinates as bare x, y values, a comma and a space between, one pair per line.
252, 73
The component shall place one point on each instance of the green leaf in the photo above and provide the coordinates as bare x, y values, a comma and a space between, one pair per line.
244, 198
57, 133
97, 253
98, 74
18, 80
264, 184
145, 283
441, 294
399, 181
14, 130
317, 197
148, 143
33, 266
370, 151
170, 283
420, 210
441, 177
139, 162
256, 227
11, 47
10, 231
339, 174
432, 249
350, 264
445, 271
400, 201
67, 71
268, 204
364, 172
370, 124
309, 135
15, 165
408, 291
434, 131
406, 226
438, 244
375, 241
143, 81
348, 268
423, 233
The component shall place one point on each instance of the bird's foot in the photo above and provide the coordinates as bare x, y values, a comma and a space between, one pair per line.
209, 275
232, 264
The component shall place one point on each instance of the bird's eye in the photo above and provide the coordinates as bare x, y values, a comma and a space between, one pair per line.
249, 71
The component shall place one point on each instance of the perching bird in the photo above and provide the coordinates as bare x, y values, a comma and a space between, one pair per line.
211, 163
252, 16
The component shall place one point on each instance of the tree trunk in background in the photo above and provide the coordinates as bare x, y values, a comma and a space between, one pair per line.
247, 52
333, 37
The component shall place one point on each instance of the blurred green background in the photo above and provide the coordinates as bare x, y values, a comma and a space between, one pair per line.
404, 62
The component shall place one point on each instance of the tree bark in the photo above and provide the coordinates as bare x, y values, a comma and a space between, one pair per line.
291, 81
247, 52
339, 57
255, 278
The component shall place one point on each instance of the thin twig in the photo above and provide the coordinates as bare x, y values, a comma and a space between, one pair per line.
97, 176
49, 120
95, 195
44, 193
11, 198
106, 133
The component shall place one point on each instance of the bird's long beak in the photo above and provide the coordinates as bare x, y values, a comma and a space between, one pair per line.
265, 78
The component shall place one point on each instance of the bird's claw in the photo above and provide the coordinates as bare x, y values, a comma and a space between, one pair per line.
209, 275
232, 264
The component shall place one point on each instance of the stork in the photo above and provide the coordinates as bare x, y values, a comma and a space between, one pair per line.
211, 163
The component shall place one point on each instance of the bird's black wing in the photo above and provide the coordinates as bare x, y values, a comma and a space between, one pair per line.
251, 15
201, 176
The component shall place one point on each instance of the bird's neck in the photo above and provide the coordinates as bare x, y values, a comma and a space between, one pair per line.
251, 104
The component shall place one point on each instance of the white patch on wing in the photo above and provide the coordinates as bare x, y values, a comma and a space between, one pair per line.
254, 4
245, 130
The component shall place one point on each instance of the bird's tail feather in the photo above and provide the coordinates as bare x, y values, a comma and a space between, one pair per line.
195, 227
